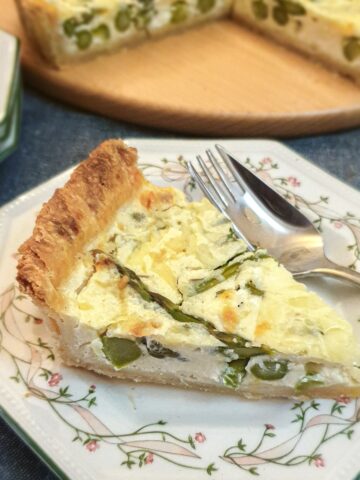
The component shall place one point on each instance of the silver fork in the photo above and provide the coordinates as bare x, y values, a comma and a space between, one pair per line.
263, 218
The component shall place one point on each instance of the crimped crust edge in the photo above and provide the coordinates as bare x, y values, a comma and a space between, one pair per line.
73, 216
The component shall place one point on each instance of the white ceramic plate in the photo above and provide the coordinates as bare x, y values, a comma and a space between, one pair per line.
88, 427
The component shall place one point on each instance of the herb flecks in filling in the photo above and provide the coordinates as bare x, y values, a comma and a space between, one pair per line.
253, 289
237, 344
226, 271
157, 350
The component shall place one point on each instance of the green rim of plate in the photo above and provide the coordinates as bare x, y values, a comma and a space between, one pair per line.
9, 121
12, 93
15, 124
26, 438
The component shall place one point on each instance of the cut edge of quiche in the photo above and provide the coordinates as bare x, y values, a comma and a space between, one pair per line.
139, 284
66, 31
69, 31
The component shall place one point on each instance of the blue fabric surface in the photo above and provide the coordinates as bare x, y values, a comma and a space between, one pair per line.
53, 138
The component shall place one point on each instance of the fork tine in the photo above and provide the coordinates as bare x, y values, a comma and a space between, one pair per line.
218, 189
213, 199
221, 173
226, 157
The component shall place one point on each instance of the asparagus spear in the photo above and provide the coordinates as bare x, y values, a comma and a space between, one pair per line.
120, 351
270, 369
234, 373
224, 272
234, 342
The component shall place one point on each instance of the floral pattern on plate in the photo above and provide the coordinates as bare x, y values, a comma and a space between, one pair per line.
33, 360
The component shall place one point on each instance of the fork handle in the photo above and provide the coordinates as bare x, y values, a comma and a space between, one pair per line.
331, 269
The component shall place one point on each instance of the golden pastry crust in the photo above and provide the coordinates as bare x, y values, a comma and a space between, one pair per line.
73, 216
40, 20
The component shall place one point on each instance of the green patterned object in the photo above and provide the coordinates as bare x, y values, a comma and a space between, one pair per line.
10, 94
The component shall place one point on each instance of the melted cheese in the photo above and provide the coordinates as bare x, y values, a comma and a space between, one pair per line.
288, 317
169, 243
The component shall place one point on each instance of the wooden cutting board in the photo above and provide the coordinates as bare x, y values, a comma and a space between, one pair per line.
218, 79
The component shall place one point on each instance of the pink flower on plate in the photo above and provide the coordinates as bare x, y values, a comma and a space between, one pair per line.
55, 379
92, 388
293, 181
338, 224
265, 160
343, 399
92, 446
269, 426
200, 437
319, 462
149, 458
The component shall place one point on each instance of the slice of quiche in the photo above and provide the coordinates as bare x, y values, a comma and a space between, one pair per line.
139, 284
66, 31
328, 30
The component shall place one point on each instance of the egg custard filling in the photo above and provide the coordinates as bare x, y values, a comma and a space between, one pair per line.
166, 293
